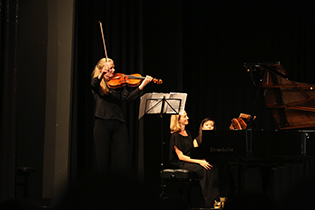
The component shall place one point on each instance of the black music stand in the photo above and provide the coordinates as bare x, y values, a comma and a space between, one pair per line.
162, 103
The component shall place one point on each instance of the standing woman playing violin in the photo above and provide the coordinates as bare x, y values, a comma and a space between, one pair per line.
110, 131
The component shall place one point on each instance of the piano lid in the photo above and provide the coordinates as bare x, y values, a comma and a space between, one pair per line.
292, 103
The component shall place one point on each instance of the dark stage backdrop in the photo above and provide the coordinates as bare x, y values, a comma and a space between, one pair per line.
198, 47
195, 46
220, 36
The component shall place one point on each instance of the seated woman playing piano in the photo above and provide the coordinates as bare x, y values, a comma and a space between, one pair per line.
180, 144
206, 124
223, 171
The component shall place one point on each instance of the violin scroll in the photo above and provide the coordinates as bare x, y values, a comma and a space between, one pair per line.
157, 81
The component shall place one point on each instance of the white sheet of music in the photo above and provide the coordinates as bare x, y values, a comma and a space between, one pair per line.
151, 103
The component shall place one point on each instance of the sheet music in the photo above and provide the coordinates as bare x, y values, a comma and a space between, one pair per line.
175, 95
151, 103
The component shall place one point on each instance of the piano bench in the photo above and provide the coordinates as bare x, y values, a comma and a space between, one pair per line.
181, 183
179, 175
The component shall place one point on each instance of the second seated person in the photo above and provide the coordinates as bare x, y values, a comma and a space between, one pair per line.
180, 144
206, 124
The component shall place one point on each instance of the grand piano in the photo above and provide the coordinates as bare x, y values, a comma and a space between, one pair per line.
292, 105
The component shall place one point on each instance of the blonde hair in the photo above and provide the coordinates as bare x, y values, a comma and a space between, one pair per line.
104, 90
175, 125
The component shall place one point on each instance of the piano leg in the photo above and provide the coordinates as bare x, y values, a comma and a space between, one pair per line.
240, 179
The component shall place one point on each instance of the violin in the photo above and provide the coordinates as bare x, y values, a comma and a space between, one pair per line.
133, 80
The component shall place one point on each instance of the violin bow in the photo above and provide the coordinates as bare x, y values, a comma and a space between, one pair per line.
101, 27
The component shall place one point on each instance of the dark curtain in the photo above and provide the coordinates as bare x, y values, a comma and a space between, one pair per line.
220, 36
200, 47
9, 14
121, 22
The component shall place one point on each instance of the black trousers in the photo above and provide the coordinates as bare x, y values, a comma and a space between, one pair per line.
208, 179
112, 150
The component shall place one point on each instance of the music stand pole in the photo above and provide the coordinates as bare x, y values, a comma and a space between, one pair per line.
151, 108
163, 194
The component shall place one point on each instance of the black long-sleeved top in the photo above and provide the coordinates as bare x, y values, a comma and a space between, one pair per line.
109, 106
183, 143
